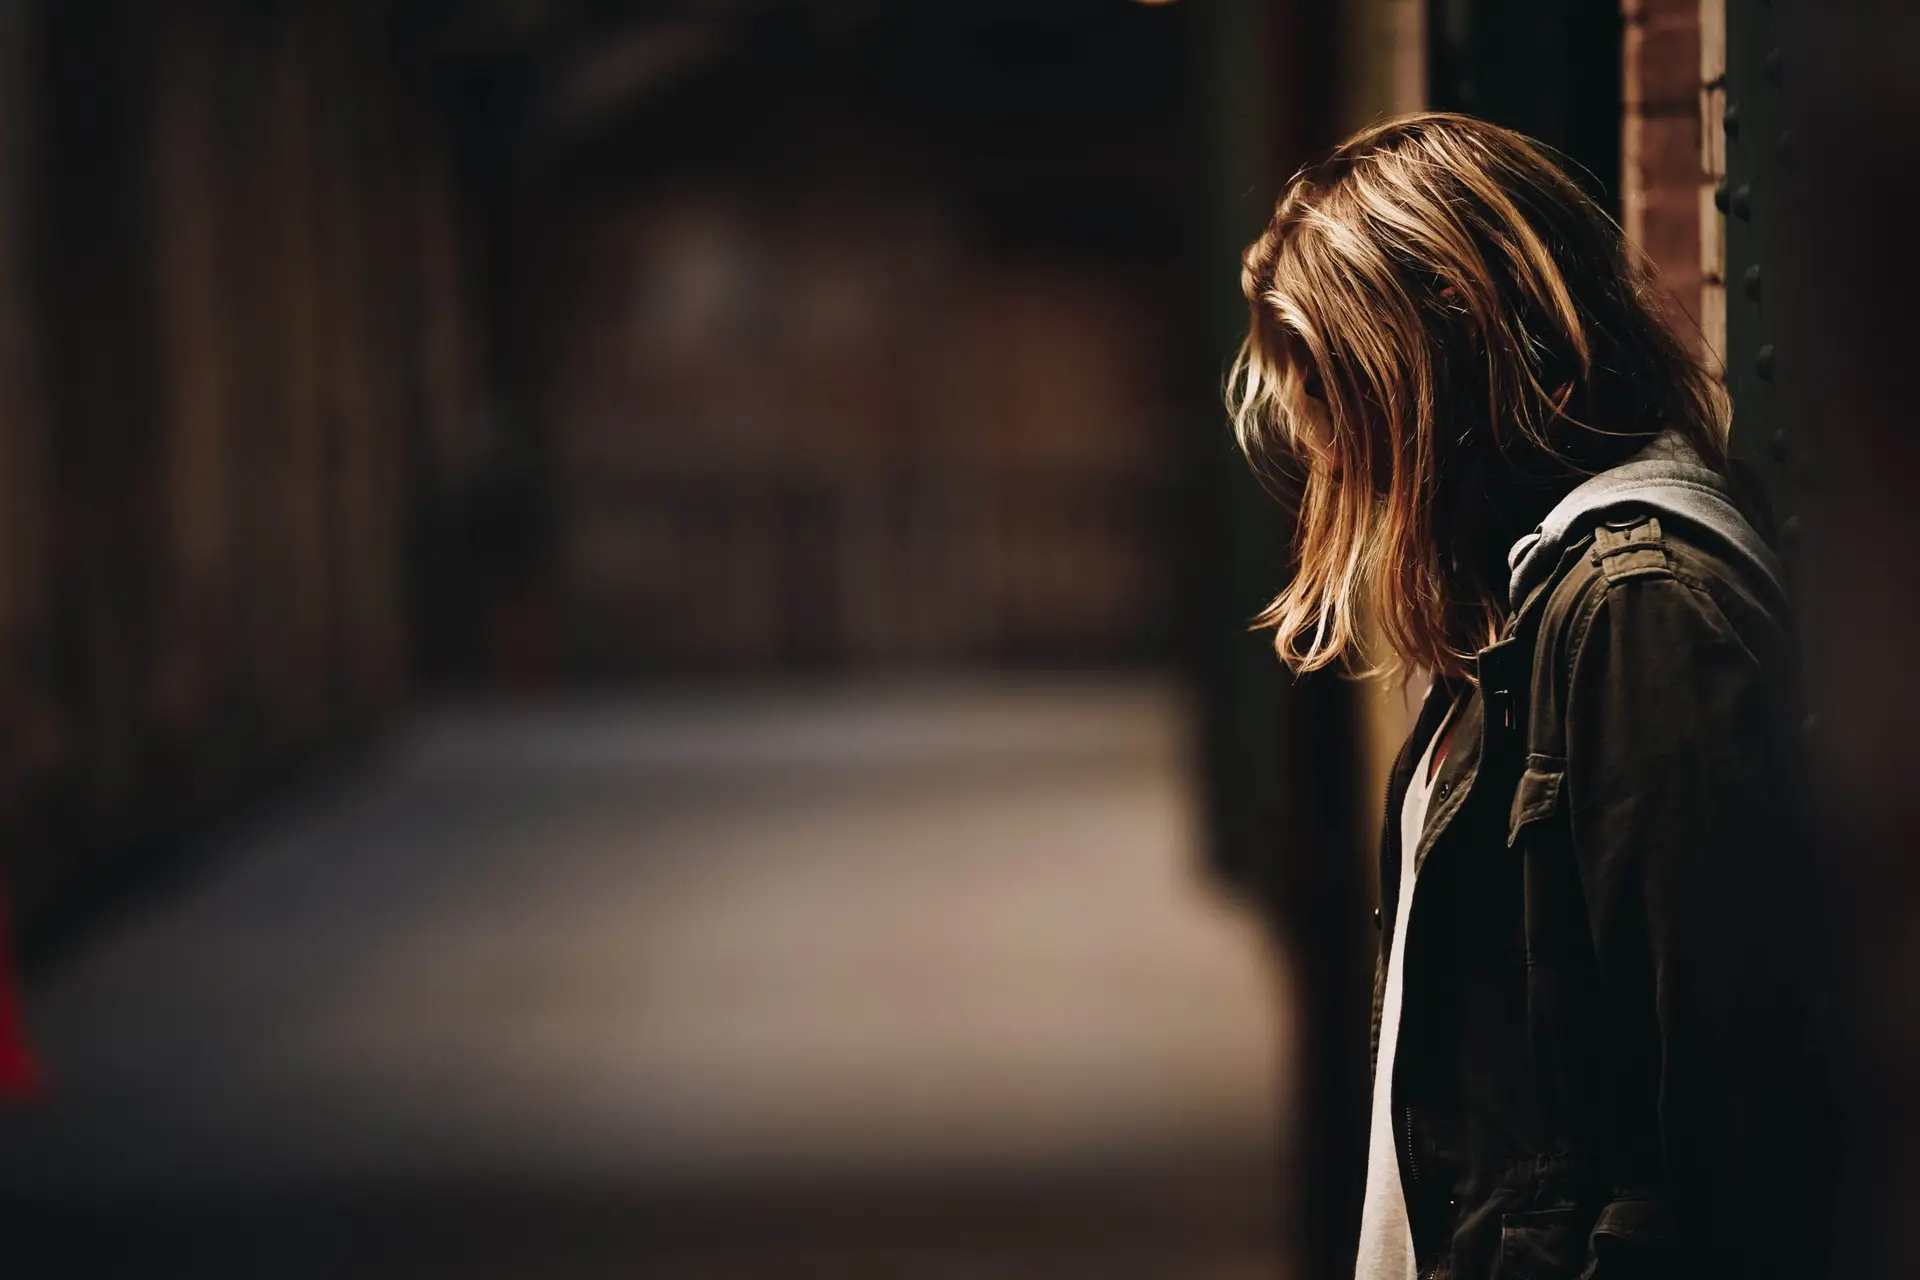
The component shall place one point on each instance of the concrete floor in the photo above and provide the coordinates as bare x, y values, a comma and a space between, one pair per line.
900, 981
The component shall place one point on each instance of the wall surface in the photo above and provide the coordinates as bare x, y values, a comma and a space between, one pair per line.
213, 314
1666, 169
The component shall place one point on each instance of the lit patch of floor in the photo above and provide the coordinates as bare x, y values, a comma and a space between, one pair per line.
902, 937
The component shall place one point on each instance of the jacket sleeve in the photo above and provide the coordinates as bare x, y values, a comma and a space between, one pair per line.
1682, 788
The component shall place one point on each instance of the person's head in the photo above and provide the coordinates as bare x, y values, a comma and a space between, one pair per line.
1446, 335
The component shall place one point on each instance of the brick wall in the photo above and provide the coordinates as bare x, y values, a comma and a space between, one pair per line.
1673, 58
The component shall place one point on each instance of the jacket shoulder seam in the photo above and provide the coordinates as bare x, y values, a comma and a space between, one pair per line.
1569, 613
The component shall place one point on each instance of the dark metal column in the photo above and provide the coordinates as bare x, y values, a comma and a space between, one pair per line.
1280, 752
1761, 153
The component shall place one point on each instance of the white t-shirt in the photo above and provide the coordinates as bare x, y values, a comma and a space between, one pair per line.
1386, 1238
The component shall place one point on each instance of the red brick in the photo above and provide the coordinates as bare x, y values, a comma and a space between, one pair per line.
1663, 64
1664, 150
1670, 236
1669, 232
1635, 11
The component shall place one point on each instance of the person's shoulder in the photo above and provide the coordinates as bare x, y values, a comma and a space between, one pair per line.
1642, 564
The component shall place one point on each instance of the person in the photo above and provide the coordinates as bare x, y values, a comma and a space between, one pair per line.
1598, 1002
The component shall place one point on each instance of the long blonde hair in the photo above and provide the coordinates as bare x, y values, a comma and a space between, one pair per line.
1446, 334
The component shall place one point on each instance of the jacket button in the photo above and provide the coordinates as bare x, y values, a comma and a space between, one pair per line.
1376, 919
1446, 789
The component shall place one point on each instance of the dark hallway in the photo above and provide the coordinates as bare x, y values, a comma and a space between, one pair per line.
596, 617
599, 606
625, 624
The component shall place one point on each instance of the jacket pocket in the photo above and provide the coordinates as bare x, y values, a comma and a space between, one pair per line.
1536, 795
1550, 1244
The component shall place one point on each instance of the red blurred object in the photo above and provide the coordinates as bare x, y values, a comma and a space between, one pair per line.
20, 1078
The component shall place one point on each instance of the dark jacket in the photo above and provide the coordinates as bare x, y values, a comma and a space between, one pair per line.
1608, 1062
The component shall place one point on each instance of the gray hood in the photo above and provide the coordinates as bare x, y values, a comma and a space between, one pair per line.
1666, 479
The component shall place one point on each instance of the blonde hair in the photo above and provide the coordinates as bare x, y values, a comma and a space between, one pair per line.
1446, 335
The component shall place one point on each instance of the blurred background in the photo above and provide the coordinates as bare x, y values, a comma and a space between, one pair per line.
623, 625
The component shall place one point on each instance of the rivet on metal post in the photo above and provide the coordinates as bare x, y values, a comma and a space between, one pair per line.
1732, 120
1741, 202
1750, 282
1770, 67
1763, 363
1791, 532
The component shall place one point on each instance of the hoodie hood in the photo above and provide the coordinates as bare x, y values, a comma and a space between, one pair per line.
1666, 479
